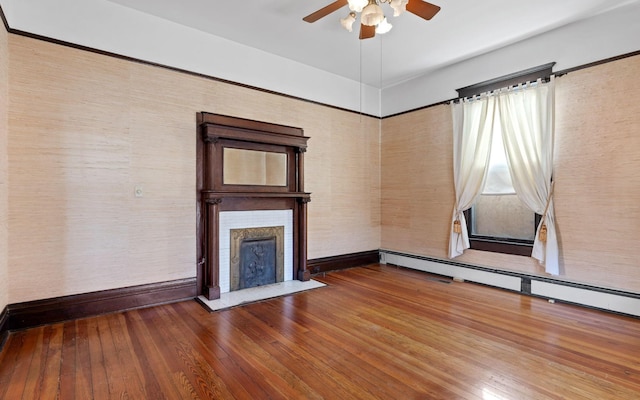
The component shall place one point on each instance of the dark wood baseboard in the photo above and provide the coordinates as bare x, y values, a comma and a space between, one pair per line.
4, 333
48, 311
326, 264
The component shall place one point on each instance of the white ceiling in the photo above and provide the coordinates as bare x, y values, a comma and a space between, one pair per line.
266, 44
461, 30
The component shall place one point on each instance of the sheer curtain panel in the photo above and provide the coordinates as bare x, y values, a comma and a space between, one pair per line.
472, 132
527, 120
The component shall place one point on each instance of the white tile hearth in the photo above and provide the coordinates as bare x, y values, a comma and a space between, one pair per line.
250, 295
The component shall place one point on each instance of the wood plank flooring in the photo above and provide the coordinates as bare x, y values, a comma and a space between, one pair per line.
377, 332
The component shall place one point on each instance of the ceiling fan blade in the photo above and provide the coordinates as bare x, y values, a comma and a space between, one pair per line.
367, 31
324, 11
422, 9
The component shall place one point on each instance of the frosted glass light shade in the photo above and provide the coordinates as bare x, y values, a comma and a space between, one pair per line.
383, 27
399, 6
347, 22
372, 15
357, 5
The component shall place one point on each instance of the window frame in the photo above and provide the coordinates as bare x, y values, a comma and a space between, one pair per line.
518, 247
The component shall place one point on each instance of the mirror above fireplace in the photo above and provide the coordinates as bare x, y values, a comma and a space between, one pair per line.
253, 167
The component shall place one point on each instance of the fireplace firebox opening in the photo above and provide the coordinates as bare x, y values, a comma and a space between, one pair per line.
257, 257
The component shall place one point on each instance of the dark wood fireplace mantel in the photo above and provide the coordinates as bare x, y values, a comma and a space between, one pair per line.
217, 133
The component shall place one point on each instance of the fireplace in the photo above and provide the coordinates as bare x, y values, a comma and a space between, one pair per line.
248, 169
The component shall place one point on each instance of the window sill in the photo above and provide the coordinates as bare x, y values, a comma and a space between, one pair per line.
498, 246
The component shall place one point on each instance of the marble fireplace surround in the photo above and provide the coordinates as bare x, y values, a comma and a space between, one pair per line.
233, 220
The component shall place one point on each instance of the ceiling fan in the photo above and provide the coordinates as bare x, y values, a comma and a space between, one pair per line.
372, 18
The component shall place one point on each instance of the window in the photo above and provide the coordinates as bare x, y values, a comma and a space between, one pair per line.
499, 221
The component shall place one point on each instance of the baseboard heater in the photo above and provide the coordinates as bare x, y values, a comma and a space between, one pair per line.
617, 301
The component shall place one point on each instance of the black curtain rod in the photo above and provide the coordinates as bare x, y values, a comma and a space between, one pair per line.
528, 75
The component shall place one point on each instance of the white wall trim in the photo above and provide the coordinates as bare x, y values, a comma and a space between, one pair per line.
601, 298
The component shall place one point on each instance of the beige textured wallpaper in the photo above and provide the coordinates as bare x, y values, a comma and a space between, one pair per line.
597, 159
4, 90
85, 129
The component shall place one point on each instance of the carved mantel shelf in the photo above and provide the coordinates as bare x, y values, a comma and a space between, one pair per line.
216, 134
212, 195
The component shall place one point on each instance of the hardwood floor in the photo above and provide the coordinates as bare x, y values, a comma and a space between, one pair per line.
378, 332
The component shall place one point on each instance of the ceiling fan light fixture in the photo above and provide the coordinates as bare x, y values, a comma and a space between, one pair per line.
372, 14
347, 22
357, 5
383, 27
372, 18
399, 6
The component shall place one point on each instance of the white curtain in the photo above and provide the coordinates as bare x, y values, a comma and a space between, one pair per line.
527, 118
472, 132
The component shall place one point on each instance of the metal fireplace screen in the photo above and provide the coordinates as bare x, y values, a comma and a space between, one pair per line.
257, 257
